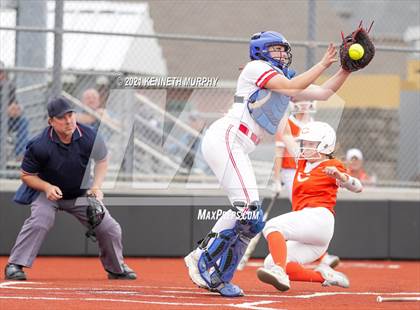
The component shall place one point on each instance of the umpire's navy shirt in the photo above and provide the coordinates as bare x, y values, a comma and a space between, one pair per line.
60, 164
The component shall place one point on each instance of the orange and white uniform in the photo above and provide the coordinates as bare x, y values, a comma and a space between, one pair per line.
314, 188
289, 159
288, 164
310, 227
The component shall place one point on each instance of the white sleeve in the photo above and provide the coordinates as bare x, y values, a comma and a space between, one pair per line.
352, 184
259, 73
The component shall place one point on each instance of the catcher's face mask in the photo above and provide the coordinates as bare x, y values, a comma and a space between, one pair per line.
303, 107
280, 53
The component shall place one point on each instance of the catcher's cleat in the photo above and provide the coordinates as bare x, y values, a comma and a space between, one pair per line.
332, 277
275, 276
191, 261
127, 274
229, 290
14, 272
330, 260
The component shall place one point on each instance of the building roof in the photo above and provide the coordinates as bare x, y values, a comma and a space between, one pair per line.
97, 52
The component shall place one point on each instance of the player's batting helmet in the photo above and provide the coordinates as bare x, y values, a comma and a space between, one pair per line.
261, 41
319, 132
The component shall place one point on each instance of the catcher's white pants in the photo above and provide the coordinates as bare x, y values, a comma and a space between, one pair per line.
226, 150
287, 177
308, 233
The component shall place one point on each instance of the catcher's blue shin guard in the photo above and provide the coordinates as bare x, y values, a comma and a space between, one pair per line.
211, 255
229, 290
219, 261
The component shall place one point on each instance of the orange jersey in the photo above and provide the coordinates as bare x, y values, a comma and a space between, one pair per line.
289, 160
315, 189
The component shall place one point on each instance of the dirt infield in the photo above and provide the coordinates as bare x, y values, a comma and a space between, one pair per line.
81, 283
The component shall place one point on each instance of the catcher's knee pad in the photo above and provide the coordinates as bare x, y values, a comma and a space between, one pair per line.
208, 261
250, 220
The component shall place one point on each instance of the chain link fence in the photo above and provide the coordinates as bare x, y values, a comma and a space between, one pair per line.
154, 135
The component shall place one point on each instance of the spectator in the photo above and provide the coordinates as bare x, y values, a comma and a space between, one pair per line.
7, 87
193, 159
3, 76
17, 123
103, 87
90, 99
354, 158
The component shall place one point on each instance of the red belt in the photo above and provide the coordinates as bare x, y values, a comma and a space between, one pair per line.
245, 130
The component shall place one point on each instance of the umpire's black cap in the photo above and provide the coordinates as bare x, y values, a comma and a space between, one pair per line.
59, 106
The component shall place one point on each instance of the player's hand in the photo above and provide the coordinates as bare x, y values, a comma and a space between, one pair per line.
333, 172
96, 192
330, 56
53, 193
277, 186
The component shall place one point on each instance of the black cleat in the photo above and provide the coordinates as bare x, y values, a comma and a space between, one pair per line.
128, 274
14, 272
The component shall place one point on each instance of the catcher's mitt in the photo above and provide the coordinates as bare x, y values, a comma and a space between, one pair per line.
360, 36
95, 213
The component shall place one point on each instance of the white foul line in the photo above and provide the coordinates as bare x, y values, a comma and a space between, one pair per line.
256, 305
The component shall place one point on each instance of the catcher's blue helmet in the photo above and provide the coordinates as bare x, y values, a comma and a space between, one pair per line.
261, 41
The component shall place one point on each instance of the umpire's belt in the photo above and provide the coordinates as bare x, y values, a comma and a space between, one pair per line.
247, 132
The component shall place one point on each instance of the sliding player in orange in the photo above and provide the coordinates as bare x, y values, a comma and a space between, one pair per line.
302, 113
303, 235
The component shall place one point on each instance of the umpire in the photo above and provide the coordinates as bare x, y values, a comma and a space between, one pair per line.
52, 172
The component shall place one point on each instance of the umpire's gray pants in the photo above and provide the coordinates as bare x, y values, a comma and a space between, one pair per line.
42, 218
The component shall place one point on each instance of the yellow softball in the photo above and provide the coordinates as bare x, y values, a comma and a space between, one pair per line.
356, 51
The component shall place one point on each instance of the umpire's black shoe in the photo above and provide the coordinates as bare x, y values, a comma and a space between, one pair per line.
14, 272
128, 274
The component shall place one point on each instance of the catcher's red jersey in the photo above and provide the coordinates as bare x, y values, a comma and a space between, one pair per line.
315, 188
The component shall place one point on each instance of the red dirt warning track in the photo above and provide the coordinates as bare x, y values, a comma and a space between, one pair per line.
81, 283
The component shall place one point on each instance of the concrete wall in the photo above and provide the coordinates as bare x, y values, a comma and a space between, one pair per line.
380, 229
409, 137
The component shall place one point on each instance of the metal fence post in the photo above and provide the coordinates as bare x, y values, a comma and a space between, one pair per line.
31, 47
4, 101
310, 50
31, 52
56, 86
